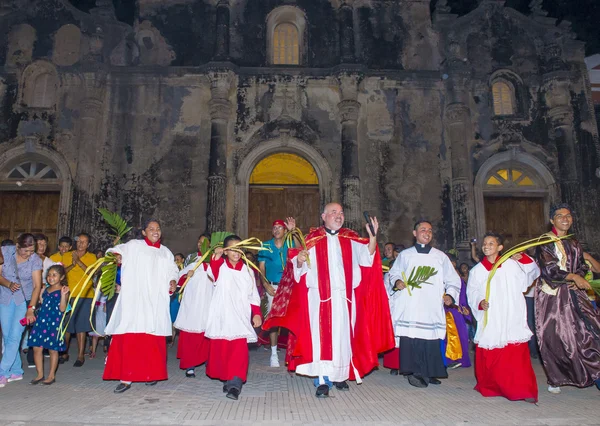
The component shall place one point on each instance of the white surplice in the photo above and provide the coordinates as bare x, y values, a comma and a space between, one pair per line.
421, 315
338, 369
507, 314
195, 303
230, 312
143, 303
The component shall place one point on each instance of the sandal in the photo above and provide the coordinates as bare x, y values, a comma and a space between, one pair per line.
36, 381
92, 355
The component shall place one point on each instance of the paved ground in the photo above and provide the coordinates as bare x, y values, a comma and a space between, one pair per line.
273, 397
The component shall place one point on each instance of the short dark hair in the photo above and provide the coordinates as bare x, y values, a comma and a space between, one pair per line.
495, 235
389, 243
179, 254
205, 235
399, 247
148, 222
559, 206
85, 234
7, 242
42, 237
230, 238
65, 239
25, 240
420, 221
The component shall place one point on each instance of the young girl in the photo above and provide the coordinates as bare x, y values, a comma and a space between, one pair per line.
44, 334
233, 314
502, 363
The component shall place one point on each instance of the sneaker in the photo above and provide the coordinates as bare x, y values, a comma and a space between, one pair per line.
31, 366
274, 360
15, 377
3, 381
554, 389
454, 365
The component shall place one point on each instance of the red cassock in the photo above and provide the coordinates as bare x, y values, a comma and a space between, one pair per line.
136, 357
372, 333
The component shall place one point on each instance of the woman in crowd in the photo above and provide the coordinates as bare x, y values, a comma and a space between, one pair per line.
20, 286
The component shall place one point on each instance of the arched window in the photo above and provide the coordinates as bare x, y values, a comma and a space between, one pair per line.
32, 170
503, 96
286, 36
44, 88
509, 178
285, 45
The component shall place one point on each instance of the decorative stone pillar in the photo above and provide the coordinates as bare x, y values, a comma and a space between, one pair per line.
220, 112
458, 127
349, 108
222, 39
560, 113
346, 29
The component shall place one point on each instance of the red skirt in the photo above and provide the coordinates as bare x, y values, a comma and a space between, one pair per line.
228, 359
391, 359
136, 357
192, 349
505, 372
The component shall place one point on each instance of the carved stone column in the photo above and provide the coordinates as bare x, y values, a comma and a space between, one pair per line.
222, 39
346, 21
458, 127
220, 112
349, 108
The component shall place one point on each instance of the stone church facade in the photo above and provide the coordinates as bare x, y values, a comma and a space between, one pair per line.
402, 109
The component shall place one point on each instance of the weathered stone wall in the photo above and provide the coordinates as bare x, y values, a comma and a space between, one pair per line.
396, 110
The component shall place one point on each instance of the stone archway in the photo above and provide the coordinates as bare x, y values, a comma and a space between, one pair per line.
513, 175
32, 151
264, 149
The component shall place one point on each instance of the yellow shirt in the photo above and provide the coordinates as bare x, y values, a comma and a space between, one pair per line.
76, 274
58, 257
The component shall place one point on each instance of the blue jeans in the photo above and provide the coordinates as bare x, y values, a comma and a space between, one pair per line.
12, 331
325, 379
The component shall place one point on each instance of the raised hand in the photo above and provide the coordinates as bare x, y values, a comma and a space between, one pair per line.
375, 224
301, 258
218, 253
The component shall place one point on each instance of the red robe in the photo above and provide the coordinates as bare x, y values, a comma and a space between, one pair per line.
373, 332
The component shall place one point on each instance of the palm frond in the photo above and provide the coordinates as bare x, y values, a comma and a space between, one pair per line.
117, 223
418, 276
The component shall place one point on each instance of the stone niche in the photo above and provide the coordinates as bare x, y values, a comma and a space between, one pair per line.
20, 45
67, 45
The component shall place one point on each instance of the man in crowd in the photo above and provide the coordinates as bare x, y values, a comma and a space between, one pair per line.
271, 264
337, 307
76, 263
388, 253
418, 317
568, 326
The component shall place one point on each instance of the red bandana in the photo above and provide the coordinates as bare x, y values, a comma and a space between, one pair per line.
151, 244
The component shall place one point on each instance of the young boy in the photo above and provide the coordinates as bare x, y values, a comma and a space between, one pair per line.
502, 367
233, 314
65, 244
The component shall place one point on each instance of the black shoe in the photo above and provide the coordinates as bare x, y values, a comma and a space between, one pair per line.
394, 372
341, 386
322, 391
225, 390
61, 360
417, 381
122, 387
78, 363
151, 383
434, 381
530, 400
190, 373
233, 394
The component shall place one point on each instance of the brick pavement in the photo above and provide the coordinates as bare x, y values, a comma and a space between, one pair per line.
273, 397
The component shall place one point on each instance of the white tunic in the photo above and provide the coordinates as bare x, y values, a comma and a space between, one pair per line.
143, 303
507, 314
230, 313
421, 315
338, 369
195, 303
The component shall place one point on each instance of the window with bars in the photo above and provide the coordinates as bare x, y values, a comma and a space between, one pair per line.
509, 178
503, 96
286, 49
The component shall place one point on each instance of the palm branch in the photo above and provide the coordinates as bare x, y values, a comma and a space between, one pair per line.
519, 248
289, 237
418, 276
117, 223
595, 284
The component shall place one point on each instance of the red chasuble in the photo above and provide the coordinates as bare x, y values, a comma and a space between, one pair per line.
372, 334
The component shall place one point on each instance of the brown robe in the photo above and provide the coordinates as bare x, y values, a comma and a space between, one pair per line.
568, 326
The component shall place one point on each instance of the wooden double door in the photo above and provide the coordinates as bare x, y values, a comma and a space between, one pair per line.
516, 218
269, 203
34, 212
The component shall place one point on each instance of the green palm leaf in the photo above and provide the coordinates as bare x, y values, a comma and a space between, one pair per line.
117, 223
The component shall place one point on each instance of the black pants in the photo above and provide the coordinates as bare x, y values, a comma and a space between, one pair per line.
533, 345
110, 306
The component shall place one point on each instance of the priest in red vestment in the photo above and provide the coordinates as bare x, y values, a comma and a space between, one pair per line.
333, 301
